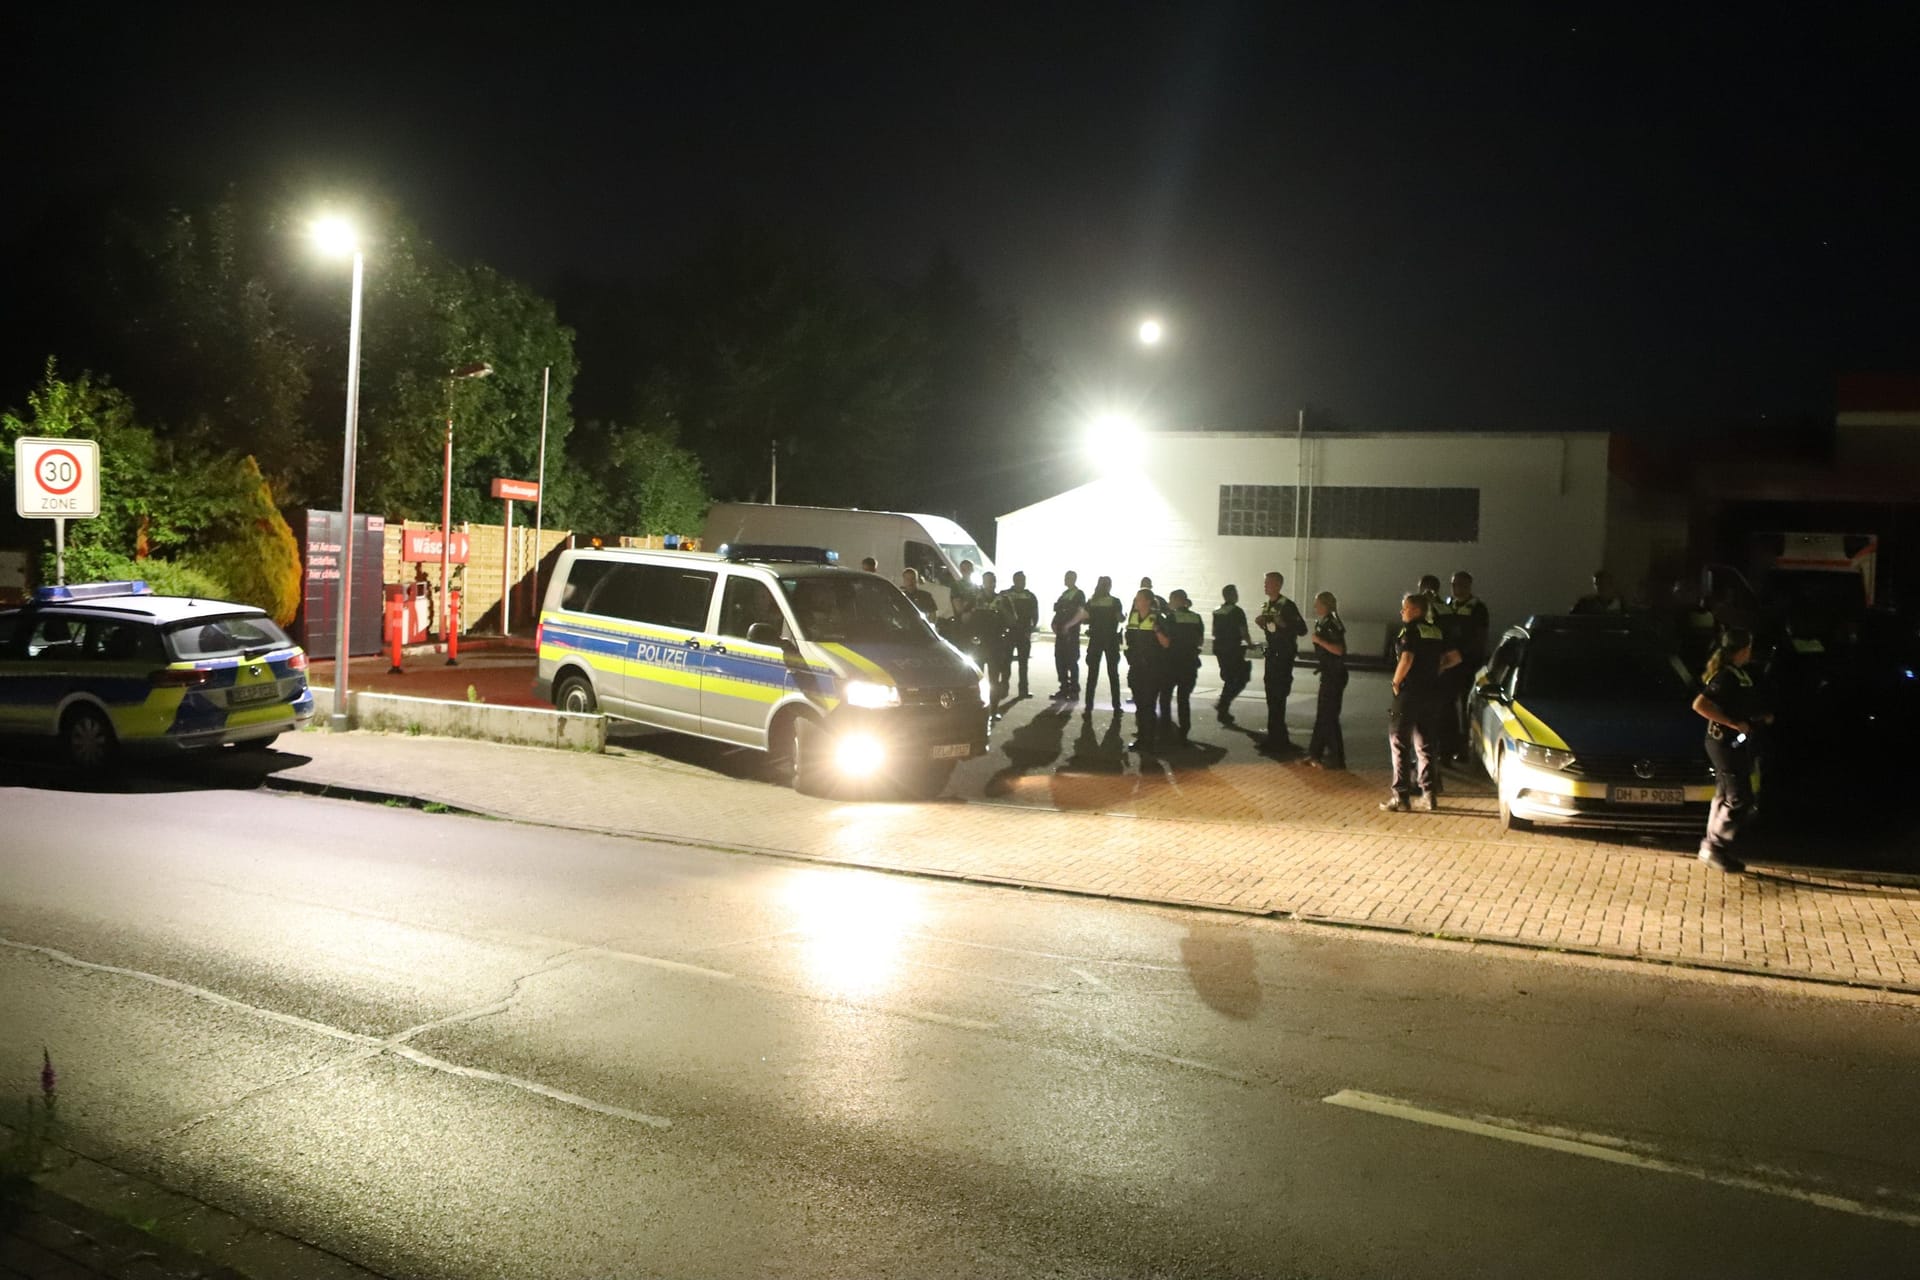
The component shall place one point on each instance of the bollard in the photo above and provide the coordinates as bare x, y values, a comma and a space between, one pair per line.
453, 628
395, 624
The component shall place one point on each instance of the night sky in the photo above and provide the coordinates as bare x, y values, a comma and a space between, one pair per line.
1440, 215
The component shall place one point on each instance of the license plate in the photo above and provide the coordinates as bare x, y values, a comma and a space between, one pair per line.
958, 751
1649, 795
247, 695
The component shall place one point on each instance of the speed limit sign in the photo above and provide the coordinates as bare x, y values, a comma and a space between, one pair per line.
56, 479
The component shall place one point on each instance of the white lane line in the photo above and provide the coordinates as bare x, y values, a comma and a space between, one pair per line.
1191, 1064
1048, 955
1601, 1149
657, 962
374, 1044
1089, 979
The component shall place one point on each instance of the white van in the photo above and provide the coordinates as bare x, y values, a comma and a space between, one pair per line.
932, 546
831, 671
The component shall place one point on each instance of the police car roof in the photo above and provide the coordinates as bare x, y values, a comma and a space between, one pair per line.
1582, 625
157, 609
789, 568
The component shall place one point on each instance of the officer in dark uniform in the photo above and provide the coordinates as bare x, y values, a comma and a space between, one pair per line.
1603, 598
1696, 632
964, 592
992, 618
1186, 631
1104, 615
1147, 645
1466, 623
921, 597
1159, 604
1026, 616
1731, 708
1281, 626
1069, 612
1421, 655
1231, 641
1327, 749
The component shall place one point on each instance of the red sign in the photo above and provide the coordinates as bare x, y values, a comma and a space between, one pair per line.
424, 545
517, 490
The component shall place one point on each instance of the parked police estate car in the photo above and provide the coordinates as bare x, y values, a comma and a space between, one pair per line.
834, 673
110, 666
1589, 720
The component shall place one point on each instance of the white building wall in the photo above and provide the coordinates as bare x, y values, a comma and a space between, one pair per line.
1543, 519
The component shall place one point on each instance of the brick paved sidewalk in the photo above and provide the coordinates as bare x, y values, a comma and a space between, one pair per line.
1450, 874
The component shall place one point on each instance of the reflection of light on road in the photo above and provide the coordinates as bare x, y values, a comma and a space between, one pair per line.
852, 929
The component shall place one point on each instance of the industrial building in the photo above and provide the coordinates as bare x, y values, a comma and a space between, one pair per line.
1362, 515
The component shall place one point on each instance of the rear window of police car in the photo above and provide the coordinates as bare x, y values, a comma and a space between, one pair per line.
226, 637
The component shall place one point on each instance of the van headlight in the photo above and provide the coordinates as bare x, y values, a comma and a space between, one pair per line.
1544, 757
858, 755
871, 693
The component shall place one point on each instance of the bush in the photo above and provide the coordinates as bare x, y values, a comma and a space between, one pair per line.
166, 577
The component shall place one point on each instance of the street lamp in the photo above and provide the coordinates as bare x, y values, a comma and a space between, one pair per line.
478, 369
1115, 442
1151, 331
336, 237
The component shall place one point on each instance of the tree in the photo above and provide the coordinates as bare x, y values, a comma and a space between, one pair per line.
252, 550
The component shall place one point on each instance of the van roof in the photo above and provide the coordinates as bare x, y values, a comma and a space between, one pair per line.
787, 568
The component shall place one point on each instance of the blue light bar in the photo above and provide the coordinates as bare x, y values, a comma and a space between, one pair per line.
90, 591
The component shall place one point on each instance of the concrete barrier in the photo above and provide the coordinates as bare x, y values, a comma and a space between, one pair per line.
525, 726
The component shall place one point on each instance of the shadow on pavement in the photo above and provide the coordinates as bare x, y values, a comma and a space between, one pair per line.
1219, 962
226, 769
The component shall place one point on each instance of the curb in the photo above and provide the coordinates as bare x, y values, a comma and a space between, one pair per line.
420, 799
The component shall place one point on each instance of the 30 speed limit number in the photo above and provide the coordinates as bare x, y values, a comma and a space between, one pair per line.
56, 478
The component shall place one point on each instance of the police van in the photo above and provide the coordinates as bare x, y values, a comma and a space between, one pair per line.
830, 671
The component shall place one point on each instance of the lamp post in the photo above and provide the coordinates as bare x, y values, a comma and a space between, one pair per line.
336, 236
478, 369
1150, 332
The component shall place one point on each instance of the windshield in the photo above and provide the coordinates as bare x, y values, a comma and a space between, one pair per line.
855, 609
226, 637
959, 551
1603, 668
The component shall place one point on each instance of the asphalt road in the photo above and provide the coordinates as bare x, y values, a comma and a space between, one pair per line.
450, 1047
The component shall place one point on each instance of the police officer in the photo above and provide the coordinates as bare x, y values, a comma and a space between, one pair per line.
1731, 709
1026, 616
1231, 641
1695, 630
1603, 598
1069, 612
992, 619
1185, 631
1421, 655
1104, 615
921, 597
869, 565
1327, 749
1159, 604
1147, 645
1466, 623
965, 592
1280, 623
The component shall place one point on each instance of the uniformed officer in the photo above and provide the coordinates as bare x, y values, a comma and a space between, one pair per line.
992, 619
1281, 626
1026, 616
1327, 749
1695, 630
1104, 615
1421, 656
1231, 641
1069, 613
1147, 645
965, 592
869, 565
1467, 625
921, 597
1159, 603
1185, 631
1603, 598
1430, 588
1731, 708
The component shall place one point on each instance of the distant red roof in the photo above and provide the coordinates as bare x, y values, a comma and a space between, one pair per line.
1878, 392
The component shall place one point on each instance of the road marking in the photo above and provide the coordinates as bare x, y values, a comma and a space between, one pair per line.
1088, 978
944, 1019
1191, 1064
1606, 1149
374, 1044
975, 976
657, 962
1048, 955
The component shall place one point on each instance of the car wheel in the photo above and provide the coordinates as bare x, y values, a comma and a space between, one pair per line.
87, 738
809, 754
574, 694
1508, 822
257, 744
931, 780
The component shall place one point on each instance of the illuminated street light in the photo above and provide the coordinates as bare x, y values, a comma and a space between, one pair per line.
1115, 443
1151, 332
336, 237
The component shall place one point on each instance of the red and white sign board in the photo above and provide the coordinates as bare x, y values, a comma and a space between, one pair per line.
424, 545
516, 490
56, 479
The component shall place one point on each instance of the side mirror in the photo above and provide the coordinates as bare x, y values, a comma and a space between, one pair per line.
768, 633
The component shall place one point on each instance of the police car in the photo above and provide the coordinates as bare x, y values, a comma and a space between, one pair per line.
111, 666
833, 673
1588, 721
